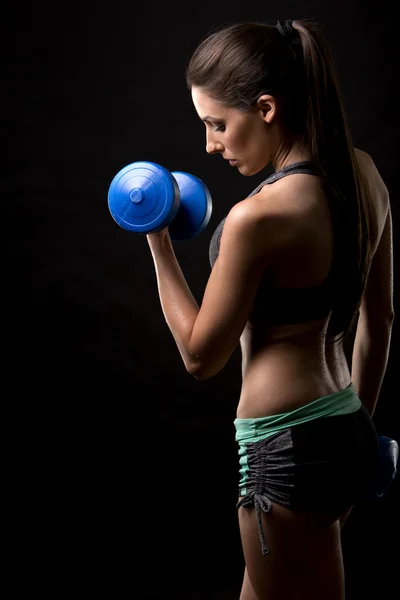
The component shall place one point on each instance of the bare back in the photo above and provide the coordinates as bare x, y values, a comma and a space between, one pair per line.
288, 365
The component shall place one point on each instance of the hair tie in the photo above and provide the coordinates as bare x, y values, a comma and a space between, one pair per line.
291, 34
287, 29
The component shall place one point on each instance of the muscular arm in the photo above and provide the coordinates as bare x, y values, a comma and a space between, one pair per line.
369, 361
206, 336
374, 328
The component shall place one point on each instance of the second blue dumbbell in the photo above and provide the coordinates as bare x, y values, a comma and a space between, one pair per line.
144, 197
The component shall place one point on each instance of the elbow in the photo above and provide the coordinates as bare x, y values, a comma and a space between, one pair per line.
389, 318
199, 376
207, 362
195, 370
379, 317
202, 371
378, 328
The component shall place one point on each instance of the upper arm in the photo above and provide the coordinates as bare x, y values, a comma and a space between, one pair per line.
245, 251
377, 300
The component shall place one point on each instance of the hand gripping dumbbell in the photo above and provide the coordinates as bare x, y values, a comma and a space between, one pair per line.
144, 197
386, 469
387, 466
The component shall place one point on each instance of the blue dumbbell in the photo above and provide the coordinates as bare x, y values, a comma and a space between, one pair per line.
144, 197
386, 469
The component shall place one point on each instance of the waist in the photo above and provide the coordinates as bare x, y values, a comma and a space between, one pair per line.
288, 368
343, 402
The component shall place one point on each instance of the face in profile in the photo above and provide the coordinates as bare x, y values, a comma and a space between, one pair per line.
236, 135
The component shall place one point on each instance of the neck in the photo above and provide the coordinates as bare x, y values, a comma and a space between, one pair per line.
289, 153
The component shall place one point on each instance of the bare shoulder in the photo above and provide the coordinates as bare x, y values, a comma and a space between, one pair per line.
374, 179
287, 196
264, 220
361, 154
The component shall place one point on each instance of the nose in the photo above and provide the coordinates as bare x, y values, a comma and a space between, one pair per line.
213, 146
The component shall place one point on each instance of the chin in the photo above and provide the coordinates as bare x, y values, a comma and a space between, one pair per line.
243, 170
249, 172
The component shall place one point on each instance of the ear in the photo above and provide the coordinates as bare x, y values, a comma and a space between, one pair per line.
266, 104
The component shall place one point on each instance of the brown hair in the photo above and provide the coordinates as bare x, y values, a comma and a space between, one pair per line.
235, 64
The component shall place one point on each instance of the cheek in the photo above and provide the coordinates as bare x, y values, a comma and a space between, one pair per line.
246, 136
239, 140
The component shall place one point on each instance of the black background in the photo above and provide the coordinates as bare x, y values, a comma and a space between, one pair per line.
127, 464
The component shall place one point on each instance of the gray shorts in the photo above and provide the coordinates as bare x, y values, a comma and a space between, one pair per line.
324, 465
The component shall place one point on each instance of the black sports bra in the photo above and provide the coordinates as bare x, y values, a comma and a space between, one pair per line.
284, 305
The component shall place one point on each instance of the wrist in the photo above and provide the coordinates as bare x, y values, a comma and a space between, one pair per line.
159, 241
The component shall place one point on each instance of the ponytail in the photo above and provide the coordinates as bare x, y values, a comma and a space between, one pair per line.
328, 137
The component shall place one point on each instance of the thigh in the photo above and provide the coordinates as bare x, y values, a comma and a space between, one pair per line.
247, 592
304, 559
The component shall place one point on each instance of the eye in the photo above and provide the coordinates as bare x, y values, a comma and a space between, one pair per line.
220, 128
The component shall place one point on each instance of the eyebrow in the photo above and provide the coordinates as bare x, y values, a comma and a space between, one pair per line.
209, 119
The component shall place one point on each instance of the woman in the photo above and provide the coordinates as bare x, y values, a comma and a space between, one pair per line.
294, 265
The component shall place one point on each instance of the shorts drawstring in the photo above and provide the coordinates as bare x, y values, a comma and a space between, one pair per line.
260, 502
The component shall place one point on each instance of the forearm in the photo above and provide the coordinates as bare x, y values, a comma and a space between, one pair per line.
177, 302
369, 361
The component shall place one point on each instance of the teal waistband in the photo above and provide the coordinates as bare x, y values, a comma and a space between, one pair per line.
343, 402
